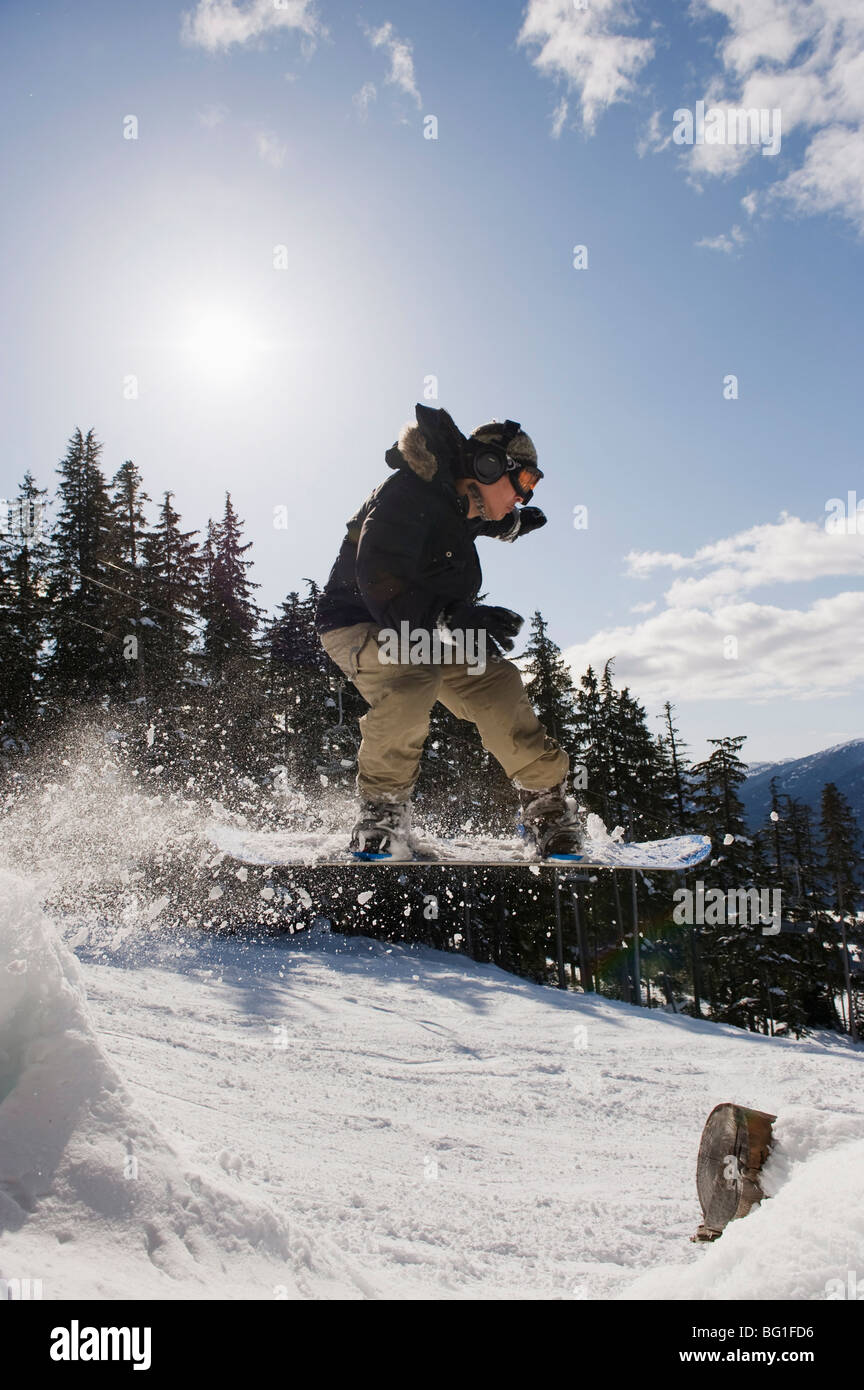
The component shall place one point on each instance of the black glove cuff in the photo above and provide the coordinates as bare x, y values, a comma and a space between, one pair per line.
513, 531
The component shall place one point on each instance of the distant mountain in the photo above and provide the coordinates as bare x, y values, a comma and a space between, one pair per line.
804, 778
754, 768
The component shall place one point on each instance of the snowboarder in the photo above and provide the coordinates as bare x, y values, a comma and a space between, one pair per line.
399, 617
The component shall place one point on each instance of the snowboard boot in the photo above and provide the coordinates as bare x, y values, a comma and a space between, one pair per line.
550, 823
382, 830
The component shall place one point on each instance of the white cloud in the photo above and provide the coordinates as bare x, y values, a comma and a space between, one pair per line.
217, 24
559, 118
685, 654
713, 642
644, 607
656, 136
401, 55
727, 242
831, 179
585, 48
271, 149
640, 563
783, 552
366, 95
807, 59
211, 116
804, 58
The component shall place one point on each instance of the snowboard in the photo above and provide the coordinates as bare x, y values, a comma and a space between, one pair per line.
303, 849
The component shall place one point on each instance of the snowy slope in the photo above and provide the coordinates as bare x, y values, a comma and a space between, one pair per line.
335, 1117
96, 1201
187, 1114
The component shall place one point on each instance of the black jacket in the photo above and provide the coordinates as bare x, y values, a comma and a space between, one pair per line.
409, 551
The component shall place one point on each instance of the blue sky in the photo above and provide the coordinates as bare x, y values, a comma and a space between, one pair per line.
301, 127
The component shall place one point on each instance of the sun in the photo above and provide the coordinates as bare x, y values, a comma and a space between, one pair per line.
220, 343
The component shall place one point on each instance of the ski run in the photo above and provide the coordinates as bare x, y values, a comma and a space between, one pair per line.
315, 1116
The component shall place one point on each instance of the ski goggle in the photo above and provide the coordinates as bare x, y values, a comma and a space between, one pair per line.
523, 477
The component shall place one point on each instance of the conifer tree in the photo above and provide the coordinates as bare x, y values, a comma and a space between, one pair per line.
591, 743
805, 858
798, 969
644, 791
86, 662
728, 950
549, 685
171, 582
611, 745
130, 528
236, 704
841, 836
678, 767
720, 811
231, 615
127, 500
24, 572
627, 782
775, 831
300, 694
793, 843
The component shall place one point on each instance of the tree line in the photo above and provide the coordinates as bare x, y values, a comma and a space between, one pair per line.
118, 613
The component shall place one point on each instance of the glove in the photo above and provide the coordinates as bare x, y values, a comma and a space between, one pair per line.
530, 519
501, 624
523, 520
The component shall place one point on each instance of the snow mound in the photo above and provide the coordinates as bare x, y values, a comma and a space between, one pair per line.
82, 1165
805, 1241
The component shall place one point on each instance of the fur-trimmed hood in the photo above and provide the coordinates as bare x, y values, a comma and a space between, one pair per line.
412, 451
431, 448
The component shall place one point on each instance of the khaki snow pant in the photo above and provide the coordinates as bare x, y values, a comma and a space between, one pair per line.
401, 696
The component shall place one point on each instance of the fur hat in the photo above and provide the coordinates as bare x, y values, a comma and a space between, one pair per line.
519, 446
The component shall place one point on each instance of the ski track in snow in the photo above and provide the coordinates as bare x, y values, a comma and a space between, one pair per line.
331, 1117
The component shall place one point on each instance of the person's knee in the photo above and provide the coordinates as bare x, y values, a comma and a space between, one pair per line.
401, 710
402, 692
510, 681
498, 689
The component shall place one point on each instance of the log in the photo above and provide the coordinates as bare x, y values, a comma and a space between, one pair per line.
735, 1143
